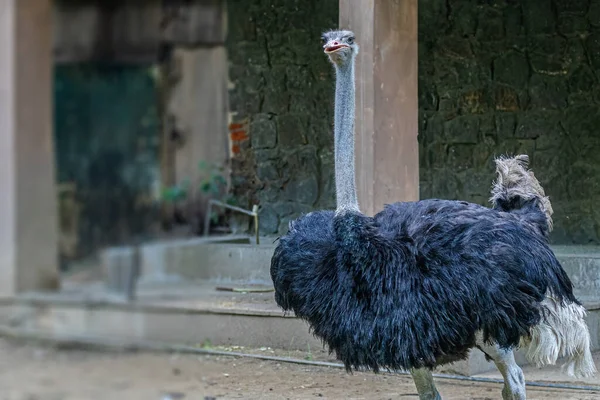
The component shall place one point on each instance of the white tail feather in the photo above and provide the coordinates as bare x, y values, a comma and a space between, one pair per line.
562, 333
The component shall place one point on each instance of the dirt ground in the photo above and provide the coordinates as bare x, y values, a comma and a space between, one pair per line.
36, 372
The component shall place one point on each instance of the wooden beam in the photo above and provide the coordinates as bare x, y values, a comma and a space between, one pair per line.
195, 23
28, 207
387, 155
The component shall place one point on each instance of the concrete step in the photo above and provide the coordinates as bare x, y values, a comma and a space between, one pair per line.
177, 302
231, 262
182, 313
176, 313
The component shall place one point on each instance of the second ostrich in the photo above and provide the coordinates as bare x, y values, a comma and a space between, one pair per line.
421, 283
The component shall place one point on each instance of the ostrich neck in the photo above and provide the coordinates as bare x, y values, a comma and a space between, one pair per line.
345, 184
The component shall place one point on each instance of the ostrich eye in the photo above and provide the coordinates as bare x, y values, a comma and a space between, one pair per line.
350, 40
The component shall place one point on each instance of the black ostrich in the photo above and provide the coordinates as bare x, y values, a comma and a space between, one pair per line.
421, 283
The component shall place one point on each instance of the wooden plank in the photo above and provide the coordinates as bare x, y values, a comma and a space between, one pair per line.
127, 31
195, 23
386, 100
131, 31
396, 102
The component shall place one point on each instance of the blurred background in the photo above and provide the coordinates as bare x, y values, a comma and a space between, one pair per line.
161, 105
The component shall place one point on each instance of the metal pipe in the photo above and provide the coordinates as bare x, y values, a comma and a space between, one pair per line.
229, 206
255, 211
165, 347
253, 214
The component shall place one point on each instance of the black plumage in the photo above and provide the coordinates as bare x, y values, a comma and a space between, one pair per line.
412, 286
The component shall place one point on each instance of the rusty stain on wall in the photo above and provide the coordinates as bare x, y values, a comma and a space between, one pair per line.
238, 132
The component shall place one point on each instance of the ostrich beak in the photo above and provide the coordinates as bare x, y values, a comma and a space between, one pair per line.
334, 47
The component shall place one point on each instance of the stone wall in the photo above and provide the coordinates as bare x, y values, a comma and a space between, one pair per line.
495, 77
511, 76
281, 104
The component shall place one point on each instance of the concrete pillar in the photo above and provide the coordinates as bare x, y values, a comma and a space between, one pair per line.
199, 104
28, 212
386, 100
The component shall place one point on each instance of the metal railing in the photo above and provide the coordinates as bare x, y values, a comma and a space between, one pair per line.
212, 202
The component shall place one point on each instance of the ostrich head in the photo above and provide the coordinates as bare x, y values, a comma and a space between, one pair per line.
340, 46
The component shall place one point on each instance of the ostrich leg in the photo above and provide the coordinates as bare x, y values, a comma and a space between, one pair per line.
425, 385
514, 380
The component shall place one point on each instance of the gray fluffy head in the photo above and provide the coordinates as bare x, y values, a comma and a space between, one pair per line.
340, 46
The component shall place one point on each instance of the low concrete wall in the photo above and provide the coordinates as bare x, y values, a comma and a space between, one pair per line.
582, 264
167, 261
233, 258
249, 263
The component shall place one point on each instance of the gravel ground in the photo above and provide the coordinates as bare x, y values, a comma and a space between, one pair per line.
36, 372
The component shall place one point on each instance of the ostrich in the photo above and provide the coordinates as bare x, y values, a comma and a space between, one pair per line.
422, 283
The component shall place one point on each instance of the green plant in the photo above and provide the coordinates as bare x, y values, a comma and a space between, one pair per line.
176, 193
213, 184
309, 355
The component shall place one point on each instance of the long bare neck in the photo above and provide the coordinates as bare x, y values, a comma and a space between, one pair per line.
345, 181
